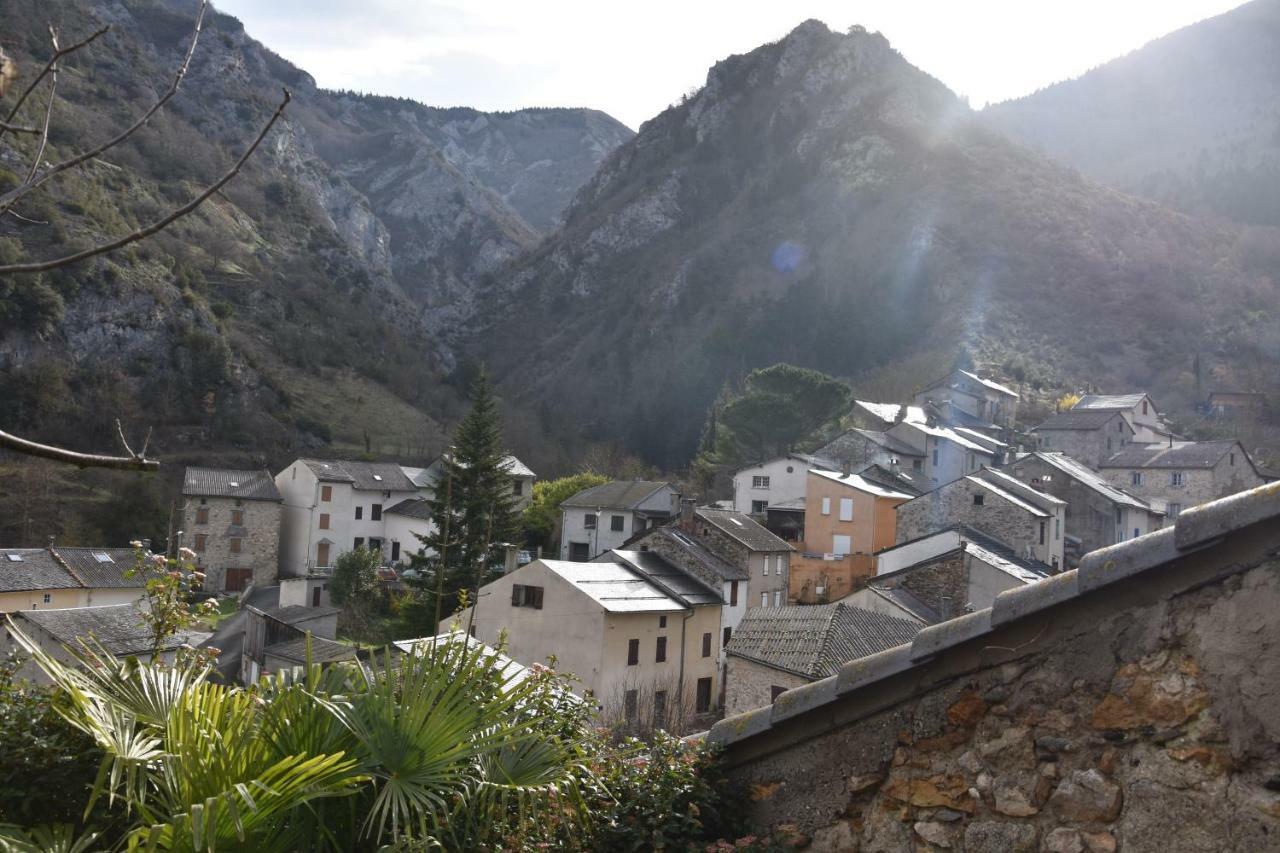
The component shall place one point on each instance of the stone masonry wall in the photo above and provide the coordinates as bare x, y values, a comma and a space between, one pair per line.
749, 684
1147, 726
259, 539
953, 504
1089, 515
947, 577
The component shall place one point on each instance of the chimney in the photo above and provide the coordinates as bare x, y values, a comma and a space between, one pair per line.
686, 514
844, 467
894, 464
509, 561
944, 607
49, 545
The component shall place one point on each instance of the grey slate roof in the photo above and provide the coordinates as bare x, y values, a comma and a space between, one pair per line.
904, 479
891, 443
814, 641
322, 650
1089, 478
291, 614
25, 569
619, 494
230, 483
101, 568
1191, 454
118, 628
1079, 419
700, 559
412, 508
366, 476
1204, 529
1109, 402
671, 579
743, 528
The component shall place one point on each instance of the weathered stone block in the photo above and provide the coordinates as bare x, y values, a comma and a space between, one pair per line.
1063, 840
953, 632
740, 727
933, 832
989, 836
1086, 795
800, 699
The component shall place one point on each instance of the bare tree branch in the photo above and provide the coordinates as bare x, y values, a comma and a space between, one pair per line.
159, 224
84, 460
27, 186
17, 128
43, 73
48, 109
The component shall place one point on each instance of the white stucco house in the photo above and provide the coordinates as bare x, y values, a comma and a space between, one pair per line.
603, 517
1138, 409
757, 487
522, 478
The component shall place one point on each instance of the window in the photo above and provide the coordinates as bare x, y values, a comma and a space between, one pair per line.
1135, 478
395, 550
517, 487
527, 596
766, 565
758, 507
846, 509
48, 598
826, 506
733, 594
662, 621
759, 482
1044, 441
1144, 407
1233, 459
326, 493
1175, 478
935, 457
630, 703
322, 554
1108, 442
375, 512
704, 695
706, 645
775, 691
1172, 511
1120, 426
633, 652
917, 464
589, 521
659, 708
1057, 528
660, 653
324, 521
203, 501
202, 539
202, 515
359, 542
727, 636
359, 513
841, 545
237, 517
764, 599
777, 598
1042, 533
978, 499
617, 523
235, 545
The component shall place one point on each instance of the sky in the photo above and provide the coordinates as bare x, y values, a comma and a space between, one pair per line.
634, 60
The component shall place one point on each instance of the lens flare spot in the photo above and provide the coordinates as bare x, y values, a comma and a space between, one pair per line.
788, 256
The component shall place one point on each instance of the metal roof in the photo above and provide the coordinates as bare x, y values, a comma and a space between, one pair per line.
814, 641
619, 494
292, 614
230, 483
743, 528
365, 476
614, 587
1186, 454
862, 484
322, 650
675, 581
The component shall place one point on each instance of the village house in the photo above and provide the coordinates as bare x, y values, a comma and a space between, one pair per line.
1027, 520
757, 487
1085, 434
277, 639
522, 479
57, 577
1176, 476
1234, 404
980, 398
944, 574
858, 448
779, 648
847, 519
117, 629
334, 506
1138, 409
641, 635
232, 519
603, 517
1098, 513
948, 455
403, 523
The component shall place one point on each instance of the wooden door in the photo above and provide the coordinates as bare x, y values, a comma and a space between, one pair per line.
315, 597
237, 579
322, 554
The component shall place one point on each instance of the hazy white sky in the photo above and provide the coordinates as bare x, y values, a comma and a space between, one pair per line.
632, 61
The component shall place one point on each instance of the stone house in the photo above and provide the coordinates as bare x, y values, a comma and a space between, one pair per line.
332, 506
627, 629
1124, 705
232, 519
603, 517
1137, 408
757, 487
847, 519
1029, 521
857, 448
738, 539
1173, 477
980, 398
57, 577
778, 648
1098, 513
1087, 435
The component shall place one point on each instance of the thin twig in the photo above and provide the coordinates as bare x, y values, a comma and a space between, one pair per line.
16, 128
84, 460
159, 224
16, 215
27, 186
48, 109
124, 441
5, 125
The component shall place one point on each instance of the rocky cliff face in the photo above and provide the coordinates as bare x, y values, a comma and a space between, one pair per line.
823, 202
